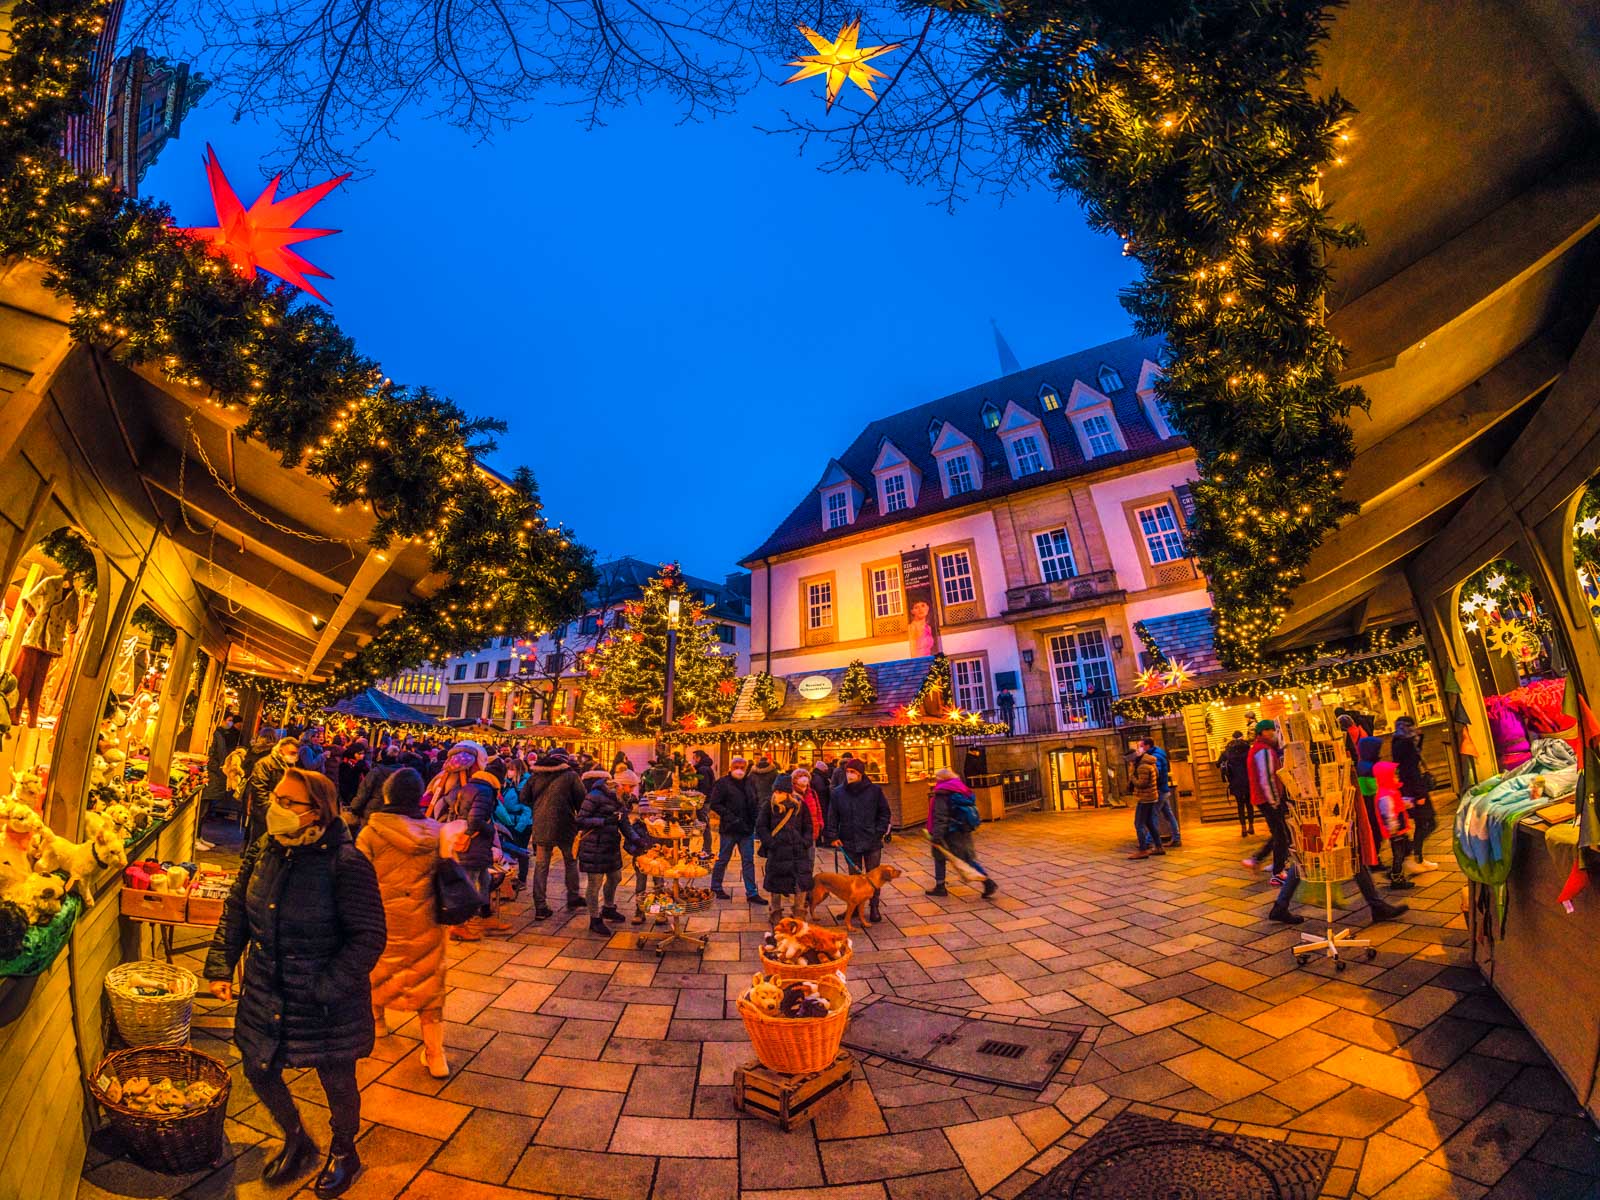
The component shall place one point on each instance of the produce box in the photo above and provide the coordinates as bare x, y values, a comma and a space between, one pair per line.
154, 906
206, 897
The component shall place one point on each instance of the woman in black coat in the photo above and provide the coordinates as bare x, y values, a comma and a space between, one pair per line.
306, 904
600, 848
786, 839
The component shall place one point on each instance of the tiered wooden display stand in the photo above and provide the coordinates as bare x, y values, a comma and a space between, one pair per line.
680, 894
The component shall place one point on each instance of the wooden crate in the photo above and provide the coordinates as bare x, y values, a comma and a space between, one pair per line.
789, 1101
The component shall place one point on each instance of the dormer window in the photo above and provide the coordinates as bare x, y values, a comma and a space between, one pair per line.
958, 475
1095, 420
898, 479
1155, 409
934, 426
1049, 399
895, 493
1022, 434
838, 504
841, 497
1025, 455
990, 415
1110, 381
960, 464
1101, 438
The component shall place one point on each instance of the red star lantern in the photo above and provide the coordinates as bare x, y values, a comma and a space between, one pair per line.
688, 722
627, 707
728, 687
258, 237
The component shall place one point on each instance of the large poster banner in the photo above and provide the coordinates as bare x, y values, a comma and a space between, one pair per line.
922, 623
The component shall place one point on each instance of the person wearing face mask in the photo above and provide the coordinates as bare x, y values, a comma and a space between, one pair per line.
264, 781
306, 904
733, 799
858, 820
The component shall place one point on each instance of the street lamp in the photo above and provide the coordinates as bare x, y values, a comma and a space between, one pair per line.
674, 612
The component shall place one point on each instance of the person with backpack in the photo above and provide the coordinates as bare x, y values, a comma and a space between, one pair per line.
952, 819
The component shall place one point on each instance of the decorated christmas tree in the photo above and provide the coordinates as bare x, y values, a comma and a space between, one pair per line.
627, 681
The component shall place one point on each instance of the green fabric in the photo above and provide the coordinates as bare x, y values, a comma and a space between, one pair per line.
43, 943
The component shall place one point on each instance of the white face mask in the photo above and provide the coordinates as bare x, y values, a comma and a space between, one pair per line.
282, 822
738, 772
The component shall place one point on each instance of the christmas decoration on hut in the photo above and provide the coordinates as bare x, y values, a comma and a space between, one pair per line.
764, 693
1150, 679
259, 237
1177, 674
857, 686
1513, 638
840, 60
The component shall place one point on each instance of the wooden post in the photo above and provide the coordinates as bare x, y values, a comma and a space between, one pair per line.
180, 659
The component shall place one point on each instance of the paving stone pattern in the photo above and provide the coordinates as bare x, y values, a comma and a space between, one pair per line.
591, 1068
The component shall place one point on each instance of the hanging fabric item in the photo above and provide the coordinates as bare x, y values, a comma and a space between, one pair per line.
1586, 820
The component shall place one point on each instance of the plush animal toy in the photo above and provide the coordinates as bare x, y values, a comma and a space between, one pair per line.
27, 787
40, 897
77, 859
765, 995
16, 840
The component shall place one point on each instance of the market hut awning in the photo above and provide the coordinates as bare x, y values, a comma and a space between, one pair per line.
373, 705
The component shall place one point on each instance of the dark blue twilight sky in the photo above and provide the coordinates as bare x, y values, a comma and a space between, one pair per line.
680, 323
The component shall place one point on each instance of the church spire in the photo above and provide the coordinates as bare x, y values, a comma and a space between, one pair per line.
1008, 361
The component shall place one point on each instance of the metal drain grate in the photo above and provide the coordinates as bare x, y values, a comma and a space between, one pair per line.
1003, 1049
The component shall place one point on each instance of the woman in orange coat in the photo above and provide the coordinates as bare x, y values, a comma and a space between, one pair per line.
404, 848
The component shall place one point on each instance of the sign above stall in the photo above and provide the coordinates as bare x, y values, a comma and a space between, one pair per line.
815, 687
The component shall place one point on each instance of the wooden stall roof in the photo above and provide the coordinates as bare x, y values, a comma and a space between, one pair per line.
1474, 171
288, 585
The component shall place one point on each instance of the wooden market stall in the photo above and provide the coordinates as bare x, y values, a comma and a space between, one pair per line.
143, 494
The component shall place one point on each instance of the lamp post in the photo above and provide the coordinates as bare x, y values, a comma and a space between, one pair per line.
674, 610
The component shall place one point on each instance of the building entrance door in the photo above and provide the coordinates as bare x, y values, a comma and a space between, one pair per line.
1079, 782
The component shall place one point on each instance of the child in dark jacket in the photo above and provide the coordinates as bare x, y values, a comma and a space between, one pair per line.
600, 847
786, 838
950, 834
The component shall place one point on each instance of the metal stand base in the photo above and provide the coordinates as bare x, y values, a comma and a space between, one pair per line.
677, 934
1334, 941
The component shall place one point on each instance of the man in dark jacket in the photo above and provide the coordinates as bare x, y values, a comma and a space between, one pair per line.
1406, 746
733, 799
1235, 766
705, 780
555, 794
858, 820
263, 781
369, 794
224, 740
762, 776
600, 849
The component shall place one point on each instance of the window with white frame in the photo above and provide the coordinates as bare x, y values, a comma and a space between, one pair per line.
958, 473
1110, 381
1163, 538
1102, 438
955, 578
1049, 398
1081, 668
1055, 555
887, 597
838, 509
819, 605
971, 685
1026, 455
895, 495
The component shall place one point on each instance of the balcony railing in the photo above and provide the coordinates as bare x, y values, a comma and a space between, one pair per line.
1079, 589
1071, 714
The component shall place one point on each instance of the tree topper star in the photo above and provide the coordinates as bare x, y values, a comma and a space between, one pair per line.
839, 60
258, 237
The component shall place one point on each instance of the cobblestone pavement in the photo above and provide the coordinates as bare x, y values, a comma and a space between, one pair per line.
582, 1067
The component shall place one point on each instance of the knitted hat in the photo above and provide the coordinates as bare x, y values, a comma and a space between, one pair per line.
1263, 726
497, 768
855, 764
738, 758
625, 777
945, 773
782, 784
595, 775
478, 757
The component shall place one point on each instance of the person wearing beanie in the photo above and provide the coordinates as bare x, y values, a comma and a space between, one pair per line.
762, 774
786, 838
600, 847
858, 820
465, 790
805, 792
952, 819
555, 793
410, 976
733, 800
1266, 793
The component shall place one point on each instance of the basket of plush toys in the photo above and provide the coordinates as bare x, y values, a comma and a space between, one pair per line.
795, 1025
795, 949
151, 1002
167, 1103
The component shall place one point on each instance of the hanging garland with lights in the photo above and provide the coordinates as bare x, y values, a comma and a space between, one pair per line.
1189, 130
936, 680
149, 295
913, 733
764, 693
857, 686
1154, 657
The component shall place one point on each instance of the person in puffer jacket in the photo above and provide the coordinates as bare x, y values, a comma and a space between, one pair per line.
1394, 821
786, 839
554, 792
307, 906
600, 847
947, 787
464, 790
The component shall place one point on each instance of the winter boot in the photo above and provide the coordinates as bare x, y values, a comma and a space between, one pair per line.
1382, 910
298, 1152
433, 1059
542, 912
611, 913
496, 924
937, 889
874, 913
990, 887
1284, 917
596, 925
341, 1169
577, 902
468, 931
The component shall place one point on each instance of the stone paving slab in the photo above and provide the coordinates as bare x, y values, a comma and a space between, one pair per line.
590, 1068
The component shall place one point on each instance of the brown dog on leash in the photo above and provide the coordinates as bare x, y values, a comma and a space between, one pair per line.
854, 890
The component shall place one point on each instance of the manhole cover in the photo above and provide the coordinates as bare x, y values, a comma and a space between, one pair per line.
1141, 1158
971, 1047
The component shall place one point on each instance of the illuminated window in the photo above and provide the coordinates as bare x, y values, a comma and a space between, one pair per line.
1055, 555
955, 577
819, 605
1025, 452
958, 472
991, 416
1102, 440
1049, 399
887, 598
895, 497
1162, 537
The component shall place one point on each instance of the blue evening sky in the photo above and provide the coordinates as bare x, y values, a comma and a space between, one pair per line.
681, 323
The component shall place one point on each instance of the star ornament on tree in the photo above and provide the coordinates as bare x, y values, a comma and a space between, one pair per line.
259, 237
840, 60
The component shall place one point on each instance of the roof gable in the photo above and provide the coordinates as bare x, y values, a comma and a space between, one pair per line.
1086, 399
951, 438
835, 475
1016, 418
889, 457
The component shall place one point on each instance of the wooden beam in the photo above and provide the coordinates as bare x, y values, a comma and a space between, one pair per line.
1554, 456
374, 568
1315, 600
23, 406
1470, 271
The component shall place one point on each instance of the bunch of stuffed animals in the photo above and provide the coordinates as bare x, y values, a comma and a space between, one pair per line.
158, 1097
796, 998
38, 867
795, 941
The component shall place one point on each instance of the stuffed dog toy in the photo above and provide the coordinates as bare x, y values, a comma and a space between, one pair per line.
854, 890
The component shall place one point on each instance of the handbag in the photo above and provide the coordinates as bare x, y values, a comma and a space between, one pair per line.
455, 896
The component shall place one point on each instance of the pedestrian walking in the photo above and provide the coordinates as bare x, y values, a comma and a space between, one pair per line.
1235, 765
263, 782
306, 903
1147, 802
787, 839
953, 819
1415, 781
600, 820
805, 791
858, 820
465, 790
513, 821
733, 800
224, 741
1266, 794
410, 975
1166, 794
555, 794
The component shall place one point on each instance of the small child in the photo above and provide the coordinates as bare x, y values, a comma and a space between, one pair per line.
1394, 819
786, 839
1369, 750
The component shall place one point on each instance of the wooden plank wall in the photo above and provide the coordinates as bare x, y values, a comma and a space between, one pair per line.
1211, 793
41, 1098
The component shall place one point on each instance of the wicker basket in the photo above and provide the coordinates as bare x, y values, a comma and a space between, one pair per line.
789, 970
151, 1020
178, 1143
799, 1045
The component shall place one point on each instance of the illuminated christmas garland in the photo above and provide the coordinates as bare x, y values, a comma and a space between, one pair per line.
914, 734
148, 295
1154, 658
857, 686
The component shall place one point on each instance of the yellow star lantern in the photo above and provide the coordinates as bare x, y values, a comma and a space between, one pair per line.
839, 60
1178, 674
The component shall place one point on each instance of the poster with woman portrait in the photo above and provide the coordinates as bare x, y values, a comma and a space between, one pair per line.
922, 622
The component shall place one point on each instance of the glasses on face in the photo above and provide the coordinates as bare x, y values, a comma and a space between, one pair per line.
294, 803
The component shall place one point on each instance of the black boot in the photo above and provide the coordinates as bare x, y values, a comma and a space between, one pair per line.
937, 889
989, 888
596, 925
541, 913
1382, 910
874, 914
1284, 917
341, 1169
610, 913
298, 1152
577, 902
